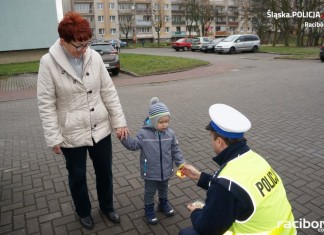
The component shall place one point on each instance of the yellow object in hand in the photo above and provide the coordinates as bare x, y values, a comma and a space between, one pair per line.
179, 172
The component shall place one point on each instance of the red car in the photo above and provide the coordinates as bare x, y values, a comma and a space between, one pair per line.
183, 44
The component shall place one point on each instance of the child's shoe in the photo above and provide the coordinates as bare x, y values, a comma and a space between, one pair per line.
165, 207
150, 214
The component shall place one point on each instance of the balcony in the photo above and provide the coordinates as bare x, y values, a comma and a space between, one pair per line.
142, 11
86, 12
83, 1
234, 3
221, 33
125, 11
220, 22
233, 24
233, 13
179, 11
143, 23
178, 34
178, 22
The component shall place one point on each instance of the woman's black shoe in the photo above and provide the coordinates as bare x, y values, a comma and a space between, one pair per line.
114, 217
87, 222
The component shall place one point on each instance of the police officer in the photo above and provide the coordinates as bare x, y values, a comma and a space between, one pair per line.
245, 196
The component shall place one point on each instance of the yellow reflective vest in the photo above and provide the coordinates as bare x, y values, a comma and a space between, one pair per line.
272, 211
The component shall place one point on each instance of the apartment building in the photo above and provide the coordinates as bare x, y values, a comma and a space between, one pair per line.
149, 20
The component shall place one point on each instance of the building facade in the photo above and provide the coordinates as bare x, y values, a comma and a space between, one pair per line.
150, 20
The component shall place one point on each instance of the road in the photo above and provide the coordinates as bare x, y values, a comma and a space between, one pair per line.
284, 100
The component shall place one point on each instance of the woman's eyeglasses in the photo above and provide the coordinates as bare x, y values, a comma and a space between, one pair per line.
79, 48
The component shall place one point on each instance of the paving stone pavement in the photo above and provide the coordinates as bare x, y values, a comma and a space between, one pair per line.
287, 129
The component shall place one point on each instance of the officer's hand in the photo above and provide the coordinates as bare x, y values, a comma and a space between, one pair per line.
191, 172
191, 207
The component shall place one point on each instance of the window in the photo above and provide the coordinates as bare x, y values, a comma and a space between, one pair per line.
175, 7
112, 31
125, 18
178, 29
99, 6
82, 7
100, 18
111, 6
166, 18
101, 31
176, 18
146, 18
125, 6
144, 30
167, 30
141, 6
166, 6
112, 18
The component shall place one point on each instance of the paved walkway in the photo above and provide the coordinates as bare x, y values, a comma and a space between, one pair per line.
287, 128
24, 86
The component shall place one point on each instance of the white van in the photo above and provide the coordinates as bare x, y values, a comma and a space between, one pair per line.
237, 43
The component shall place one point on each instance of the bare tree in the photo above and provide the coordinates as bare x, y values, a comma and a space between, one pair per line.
191, 12
206, 13
199, 16
285, 24
158, 17
126, 24
313, 33
257, 9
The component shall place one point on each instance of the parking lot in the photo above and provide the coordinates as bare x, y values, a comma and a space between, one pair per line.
282, 98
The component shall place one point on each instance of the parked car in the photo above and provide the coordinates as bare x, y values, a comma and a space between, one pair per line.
238, 43
182, 44
109, 56
114, 42
322, 53
210, 47
197, 43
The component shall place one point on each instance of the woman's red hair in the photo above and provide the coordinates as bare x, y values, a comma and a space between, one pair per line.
74, 27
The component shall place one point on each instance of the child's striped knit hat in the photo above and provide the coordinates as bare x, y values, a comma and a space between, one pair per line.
156, 111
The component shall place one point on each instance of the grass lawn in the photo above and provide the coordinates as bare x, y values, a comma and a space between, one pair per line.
135, 63
292, 52
18, 68
149, 64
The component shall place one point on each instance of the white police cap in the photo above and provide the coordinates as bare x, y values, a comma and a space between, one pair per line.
227, 121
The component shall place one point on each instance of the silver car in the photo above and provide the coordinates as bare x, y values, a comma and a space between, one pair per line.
197, 43
238, 43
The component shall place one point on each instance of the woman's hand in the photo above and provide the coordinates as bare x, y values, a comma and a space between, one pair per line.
122, 132
57, 149
191, 172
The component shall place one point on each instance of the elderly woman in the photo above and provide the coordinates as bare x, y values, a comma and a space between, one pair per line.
79, 107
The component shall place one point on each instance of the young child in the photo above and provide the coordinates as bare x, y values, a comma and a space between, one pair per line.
159, 149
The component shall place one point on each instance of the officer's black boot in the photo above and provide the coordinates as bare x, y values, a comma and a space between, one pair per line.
165, 207
150, 214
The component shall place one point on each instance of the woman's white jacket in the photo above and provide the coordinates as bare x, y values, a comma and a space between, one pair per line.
75, 112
